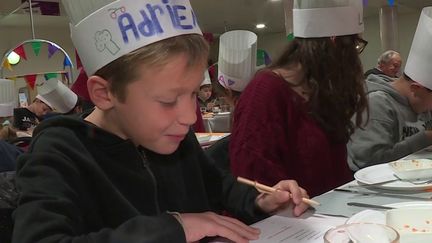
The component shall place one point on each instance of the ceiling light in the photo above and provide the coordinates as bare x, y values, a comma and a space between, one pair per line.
260, 26
13, 58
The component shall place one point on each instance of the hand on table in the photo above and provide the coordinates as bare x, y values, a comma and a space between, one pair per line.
288, 191
200, 225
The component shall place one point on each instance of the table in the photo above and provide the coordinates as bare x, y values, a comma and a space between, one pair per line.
310, 227
217, 123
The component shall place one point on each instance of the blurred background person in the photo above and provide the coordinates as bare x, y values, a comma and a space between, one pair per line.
400, 117
293, 120
389, 64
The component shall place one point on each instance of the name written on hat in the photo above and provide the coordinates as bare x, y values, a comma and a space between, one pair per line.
126, 25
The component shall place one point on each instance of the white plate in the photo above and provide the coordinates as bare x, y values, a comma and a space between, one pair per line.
379, 217
382, 172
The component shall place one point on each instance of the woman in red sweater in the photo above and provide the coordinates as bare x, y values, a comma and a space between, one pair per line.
293, 119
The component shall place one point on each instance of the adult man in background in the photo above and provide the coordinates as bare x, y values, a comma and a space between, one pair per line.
389, 64
400, 117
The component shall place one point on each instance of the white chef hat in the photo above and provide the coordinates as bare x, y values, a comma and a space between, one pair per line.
104, 30
7, 97
207, 79
418, 66
319, 18
57, 95
237, 59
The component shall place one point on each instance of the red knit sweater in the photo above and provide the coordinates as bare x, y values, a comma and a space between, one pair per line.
273, 138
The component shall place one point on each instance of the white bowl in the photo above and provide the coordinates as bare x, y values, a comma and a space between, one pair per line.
413, 224
412, 169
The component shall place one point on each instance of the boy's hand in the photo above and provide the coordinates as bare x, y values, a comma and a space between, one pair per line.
288, 192
200, 225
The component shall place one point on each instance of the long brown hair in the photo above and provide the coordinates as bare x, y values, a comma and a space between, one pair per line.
333, 71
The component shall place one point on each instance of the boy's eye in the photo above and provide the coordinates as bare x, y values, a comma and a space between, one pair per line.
168, 103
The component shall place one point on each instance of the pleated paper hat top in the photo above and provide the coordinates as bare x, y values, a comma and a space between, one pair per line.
207, 79
104, 30
326, 18
57, 95
7, 97
419, 62
237, 59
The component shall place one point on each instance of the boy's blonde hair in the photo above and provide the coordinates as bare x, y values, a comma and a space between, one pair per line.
123, 70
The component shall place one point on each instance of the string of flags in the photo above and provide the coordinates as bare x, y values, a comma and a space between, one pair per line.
390, 2
31, 78
36, 47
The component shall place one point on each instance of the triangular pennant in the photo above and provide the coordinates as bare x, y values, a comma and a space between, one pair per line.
78, 60
365, 3
21, 52
260, 57
36, 45
31, 80
51, 50
391, 2
67, 62
50, 76
290, 37
7, 65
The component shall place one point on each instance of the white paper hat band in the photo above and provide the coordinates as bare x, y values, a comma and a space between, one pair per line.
57, 95
418, 66
7, 91
6, 109
327, 22
207, 79
126, 25
237, 59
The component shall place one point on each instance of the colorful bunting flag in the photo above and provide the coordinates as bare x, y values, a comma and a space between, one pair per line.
50, 76
365, 3
36, 45
31, 80
51, 50
7, 65
21, 52
290, 36
391, 2
67, 62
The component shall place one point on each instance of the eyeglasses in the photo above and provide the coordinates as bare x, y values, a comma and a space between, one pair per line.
360, 44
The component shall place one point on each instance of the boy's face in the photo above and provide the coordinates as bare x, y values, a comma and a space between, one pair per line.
205, 92
40, 108
160, 106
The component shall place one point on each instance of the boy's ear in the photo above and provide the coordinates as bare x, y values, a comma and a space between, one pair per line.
99, 92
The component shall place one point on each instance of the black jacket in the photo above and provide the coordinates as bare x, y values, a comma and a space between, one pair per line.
8, 155
79, 183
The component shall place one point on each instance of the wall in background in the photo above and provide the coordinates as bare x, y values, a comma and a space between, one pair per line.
275, 43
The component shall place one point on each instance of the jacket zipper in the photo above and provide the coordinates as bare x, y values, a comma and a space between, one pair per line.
146, 165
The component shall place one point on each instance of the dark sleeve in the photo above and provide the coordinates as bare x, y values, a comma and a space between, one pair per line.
51, 192
8, 155
225, 193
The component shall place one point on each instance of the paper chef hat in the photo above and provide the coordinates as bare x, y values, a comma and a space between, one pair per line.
57, 95
104, 30
312, 18
418, 66
7, 97
237, 59
207, 79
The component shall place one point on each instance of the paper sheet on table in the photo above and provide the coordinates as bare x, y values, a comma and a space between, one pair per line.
293, 230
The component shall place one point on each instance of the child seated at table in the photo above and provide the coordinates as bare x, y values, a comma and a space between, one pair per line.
131, 170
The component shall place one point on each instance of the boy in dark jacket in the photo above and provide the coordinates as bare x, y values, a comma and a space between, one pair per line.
131, 170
